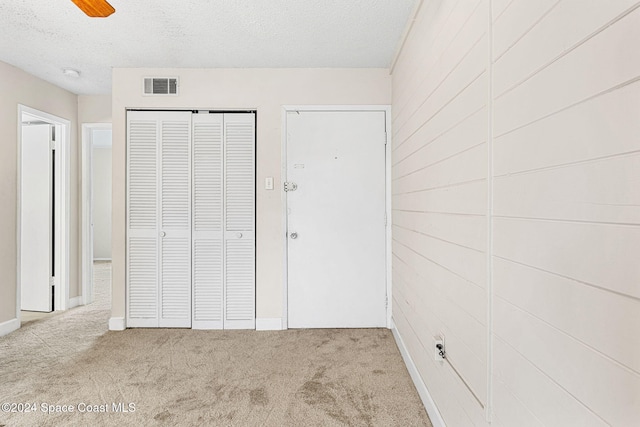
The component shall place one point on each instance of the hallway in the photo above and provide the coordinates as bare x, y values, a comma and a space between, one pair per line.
43, 342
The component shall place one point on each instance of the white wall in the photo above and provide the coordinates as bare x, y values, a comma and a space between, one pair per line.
18, 87
265, 90
101, 190
439, 188
94, 109
540, 137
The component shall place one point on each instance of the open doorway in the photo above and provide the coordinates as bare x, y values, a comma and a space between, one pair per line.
43, 213
96, 207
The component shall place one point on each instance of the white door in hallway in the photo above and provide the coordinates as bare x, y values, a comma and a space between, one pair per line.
336, 219
36, 219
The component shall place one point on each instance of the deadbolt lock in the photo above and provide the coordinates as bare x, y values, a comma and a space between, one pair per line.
290, 186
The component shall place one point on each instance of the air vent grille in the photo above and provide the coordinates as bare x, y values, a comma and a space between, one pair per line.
160, 85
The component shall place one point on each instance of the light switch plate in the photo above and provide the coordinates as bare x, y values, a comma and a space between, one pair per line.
268, 183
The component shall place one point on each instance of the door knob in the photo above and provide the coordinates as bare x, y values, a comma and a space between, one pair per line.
239, 235
162, 234
293, 235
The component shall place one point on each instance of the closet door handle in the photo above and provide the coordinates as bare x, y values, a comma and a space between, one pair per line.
239, 235
163, 234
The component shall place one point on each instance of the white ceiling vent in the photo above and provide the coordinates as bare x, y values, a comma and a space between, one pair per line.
160, 85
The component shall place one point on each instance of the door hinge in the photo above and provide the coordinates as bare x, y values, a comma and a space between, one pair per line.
53, 145
385, 219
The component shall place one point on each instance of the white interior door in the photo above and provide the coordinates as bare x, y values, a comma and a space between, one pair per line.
223, 221
159, 219
191, 220
36, 219
336, 219
239, 221
142, 219
175, 219
208, 231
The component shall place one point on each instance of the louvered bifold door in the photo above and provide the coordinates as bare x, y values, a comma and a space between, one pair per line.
239, 221
175, 219
191, 220
142, 219
158, 219
208, 291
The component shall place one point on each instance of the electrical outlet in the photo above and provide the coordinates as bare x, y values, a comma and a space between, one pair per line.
439, 350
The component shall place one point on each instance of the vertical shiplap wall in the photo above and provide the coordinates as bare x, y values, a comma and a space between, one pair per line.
554, 100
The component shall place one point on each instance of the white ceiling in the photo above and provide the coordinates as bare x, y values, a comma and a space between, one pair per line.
44, 36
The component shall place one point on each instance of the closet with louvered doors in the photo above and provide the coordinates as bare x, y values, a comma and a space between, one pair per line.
190, 220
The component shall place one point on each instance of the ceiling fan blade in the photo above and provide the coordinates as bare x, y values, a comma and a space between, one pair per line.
95, 8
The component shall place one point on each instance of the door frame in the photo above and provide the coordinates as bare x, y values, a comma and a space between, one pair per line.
388, 250
62, 208
87, 208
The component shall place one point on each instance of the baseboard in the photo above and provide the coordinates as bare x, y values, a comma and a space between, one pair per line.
74, 302
269, 324
425, 396
117, 324
9, 326
101, 259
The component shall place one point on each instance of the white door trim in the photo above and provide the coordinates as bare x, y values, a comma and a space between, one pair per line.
87, 182
63, 208
335, 108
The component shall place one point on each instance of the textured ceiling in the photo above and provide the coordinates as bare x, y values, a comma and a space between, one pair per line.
44, 36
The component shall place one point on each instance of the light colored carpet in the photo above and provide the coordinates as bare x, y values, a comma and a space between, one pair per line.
217, 378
